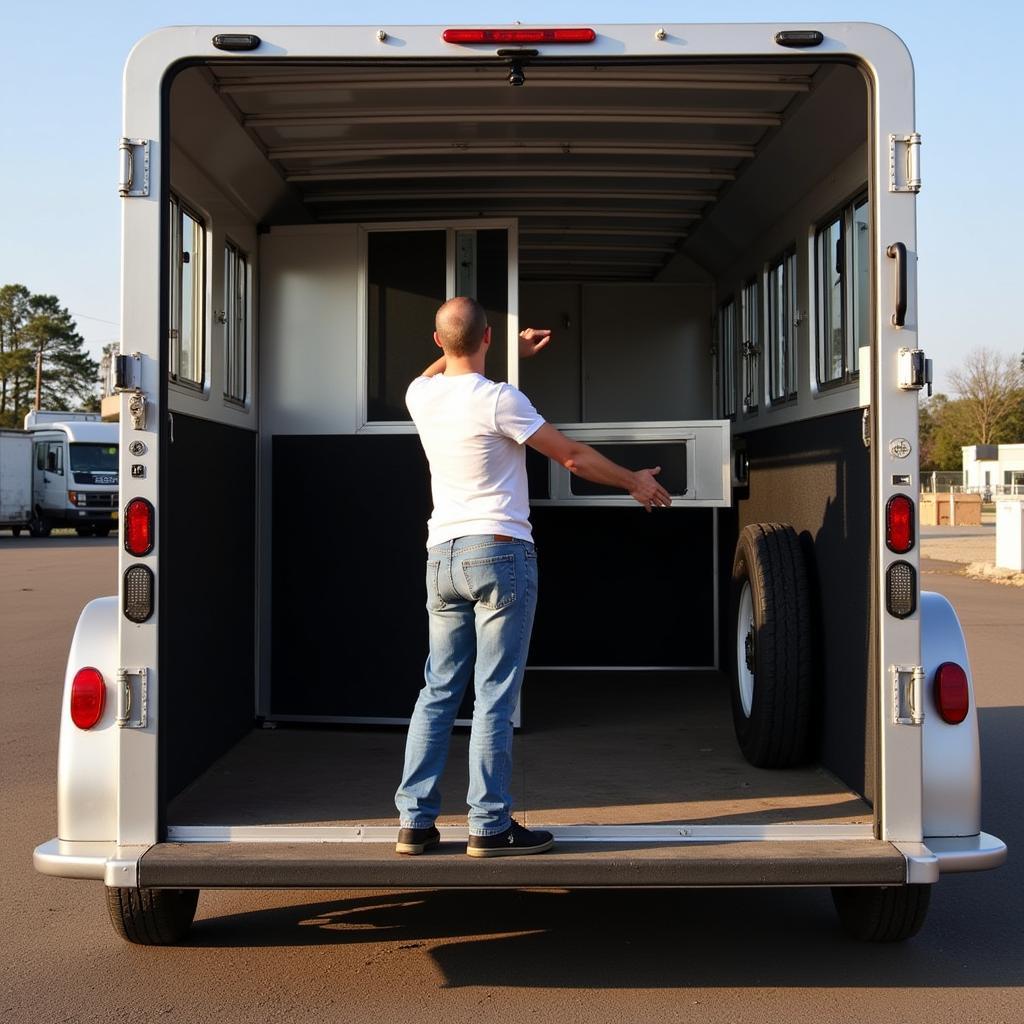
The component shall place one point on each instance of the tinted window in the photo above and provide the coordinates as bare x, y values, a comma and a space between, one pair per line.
93, 458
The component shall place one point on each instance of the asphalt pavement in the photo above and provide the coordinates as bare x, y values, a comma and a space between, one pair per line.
623, 956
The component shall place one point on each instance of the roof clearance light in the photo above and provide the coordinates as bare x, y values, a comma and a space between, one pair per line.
138, 527
88, 695
952, 694
519, 35
899, 524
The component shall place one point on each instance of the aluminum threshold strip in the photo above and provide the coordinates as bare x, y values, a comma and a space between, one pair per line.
573, 833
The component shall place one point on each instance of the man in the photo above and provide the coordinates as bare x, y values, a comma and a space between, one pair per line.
482, 574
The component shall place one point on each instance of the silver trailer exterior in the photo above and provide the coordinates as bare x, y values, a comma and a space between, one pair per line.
15, 480
923, 789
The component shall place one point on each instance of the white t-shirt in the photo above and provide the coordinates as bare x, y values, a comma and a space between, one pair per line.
472, 430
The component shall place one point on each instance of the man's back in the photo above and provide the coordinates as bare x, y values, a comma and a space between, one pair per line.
472, 430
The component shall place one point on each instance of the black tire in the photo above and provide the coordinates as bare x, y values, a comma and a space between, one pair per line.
101, 531
882, 914
15, 531
39, 527
85, 531
770, 651
152, 917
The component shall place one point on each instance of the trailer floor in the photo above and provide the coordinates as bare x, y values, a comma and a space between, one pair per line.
598, 748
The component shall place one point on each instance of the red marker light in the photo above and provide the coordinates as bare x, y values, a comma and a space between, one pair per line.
138, 527
952, 694
88, 695
899, 524
519, 35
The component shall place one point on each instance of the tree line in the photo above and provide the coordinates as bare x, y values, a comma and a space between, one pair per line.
31, 325
988, 408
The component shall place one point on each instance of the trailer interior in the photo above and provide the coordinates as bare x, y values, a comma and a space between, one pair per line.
696, 236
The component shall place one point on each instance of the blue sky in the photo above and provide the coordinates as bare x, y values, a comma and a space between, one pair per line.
60, 97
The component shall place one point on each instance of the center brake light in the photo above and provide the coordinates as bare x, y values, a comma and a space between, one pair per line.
519, 35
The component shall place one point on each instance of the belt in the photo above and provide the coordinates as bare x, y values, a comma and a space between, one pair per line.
502, 536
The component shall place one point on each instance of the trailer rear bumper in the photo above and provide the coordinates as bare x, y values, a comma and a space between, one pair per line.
572, 864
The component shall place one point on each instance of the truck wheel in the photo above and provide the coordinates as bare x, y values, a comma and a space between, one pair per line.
84, 531
39, 527
152, 917
15, 531
882, 914
101, 531
771, 659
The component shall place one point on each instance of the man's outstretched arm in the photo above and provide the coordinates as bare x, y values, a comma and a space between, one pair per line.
587, 462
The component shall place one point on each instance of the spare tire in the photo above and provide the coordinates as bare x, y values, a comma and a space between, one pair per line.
770, 656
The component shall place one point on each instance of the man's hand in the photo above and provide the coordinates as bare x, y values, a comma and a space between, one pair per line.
648, 491
532, 340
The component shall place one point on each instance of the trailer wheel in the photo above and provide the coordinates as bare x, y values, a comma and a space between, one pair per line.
771, 659
152, 917
882, 914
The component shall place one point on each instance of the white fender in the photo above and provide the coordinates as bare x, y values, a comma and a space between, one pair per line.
87, 758
951, 754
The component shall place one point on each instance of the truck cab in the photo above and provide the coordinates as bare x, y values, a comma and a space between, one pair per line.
75, 478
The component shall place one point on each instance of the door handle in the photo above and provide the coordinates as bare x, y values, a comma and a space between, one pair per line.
898, 252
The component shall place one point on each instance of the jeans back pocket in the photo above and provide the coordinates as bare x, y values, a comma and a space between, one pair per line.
491, 581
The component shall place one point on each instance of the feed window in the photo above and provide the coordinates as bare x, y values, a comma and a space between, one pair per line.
782, 325
187, 296
842, 288
236, 332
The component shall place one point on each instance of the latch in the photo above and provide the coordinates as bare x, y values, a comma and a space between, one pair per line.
132, 698
915, 371
128, 380
134, 176
908, 694
905, 162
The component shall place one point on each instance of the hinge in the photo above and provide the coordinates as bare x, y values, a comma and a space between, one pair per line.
132, 698
905, 162
134, 179
908, 694
914, 370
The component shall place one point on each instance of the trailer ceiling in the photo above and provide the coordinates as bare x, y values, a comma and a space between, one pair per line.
608, 169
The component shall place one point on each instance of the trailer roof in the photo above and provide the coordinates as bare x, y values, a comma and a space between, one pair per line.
608, 167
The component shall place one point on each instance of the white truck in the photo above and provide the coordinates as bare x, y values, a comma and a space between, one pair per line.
771, 701
74, 475
15, 481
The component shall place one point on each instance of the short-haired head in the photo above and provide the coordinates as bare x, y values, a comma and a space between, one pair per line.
461, 324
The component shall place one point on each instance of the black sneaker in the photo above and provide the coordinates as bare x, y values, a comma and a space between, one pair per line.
514, 841
417, 840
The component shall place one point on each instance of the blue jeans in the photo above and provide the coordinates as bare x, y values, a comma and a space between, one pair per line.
481, 596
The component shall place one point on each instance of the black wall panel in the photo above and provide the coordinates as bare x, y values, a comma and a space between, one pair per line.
617, 586
816, 476
207, 595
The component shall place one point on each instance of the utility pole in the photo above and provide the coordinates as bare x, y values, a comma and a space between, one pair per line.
39, 379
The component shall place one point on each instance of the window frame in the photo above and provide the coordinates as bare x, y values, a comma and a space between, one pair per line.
848, 287
786, 263
750, 350
178, 209
726, 350
452, 227
236, 323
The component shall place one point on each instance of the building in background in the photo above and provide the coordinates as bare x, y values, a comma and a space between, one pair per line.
993, 469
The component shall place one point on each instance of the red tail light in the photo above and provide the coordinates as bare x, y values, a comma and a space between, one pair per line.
899, 524
952, 694
138, 527
519, 35
88, 695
